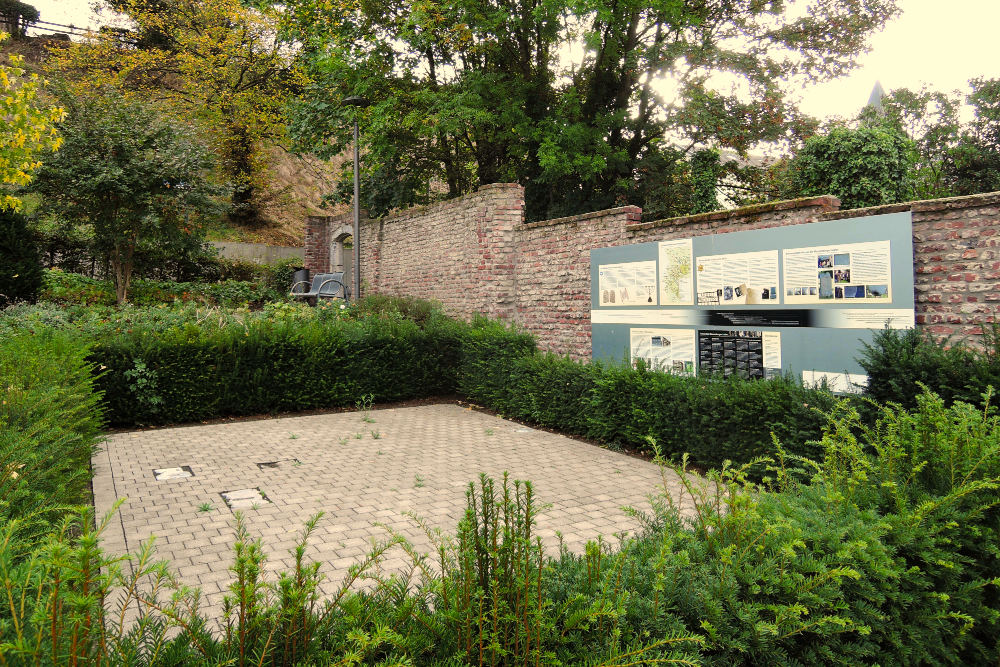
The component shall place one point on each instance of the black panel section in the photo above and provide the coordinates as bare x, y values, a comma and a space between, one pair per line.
761, 318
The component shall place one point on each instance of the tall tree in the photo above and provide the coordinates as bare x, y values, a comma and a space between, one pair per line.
223, 62
131, 174
580, 100
868, 166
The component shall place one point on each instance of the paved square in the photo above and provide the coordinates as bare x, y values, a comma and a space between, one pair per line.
416, 459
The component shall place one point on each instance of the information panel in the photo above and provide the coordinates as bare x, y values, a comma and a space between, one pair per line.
800, 299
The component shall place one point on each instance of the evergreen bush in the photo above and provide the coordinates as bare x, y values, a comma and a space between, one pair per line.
20, 266
900, 364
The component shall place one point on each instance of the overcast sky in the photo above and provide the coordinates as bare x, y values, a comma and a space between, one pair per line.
943, 43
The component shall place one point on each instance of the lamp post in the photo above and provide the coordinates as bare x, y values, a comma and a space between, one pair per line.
361, 103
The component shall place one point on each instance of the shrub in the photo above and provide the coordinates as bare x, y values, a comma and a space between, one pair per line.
186, 373
50, 421
900, 363
20, 267
72, 288
712, 419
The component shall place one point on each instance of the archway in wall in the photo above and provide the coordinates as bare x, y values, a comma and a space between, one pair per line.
341, 252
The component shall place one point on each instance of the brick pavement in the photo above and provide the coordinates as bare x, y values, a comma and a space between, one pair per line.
417, 459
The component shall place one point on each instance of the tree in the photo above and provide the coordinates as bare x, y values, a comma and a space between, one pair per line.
15, 17
221, 62
867, 166
135, 177
976, 159
28, 128
931, 120
581, 101
953, 158
20, 267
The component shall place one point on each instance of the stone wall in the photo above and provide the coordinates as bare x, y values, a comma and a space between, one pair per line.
476, 255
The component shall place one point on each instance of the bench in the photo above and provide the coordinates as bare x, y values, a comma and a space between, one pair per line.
324, 286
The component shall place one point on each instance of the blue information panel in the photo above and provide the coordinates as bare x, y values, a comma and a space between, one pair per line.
799, 299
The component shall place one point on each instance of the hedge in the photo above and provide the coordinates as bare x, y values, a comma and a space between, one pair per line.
192, 374
712, 419
189, 373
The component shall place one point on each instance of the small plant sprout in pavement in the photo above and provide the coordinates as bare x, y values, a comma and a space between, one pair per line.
365, 405
205, 507
376, 435
418, 481
490, 431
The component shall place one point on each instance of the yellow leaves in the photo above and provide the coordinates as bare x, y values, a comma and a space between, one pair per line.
26, 129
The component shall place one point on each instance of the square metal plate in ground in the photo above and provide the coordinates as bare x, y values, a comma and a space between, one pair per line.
279, 464
167, 474
245, 499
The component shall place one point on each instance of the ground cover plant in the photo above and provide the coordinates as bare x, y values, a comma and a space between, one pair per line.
73, 288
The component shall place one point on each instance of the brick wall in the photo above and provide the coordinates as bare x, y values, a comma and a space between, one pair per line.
459, 252
476, 255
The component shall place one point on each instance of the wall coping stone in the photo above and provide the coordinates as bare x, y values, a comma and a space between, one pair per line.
570, 219
867, 211
825, 202
951, 203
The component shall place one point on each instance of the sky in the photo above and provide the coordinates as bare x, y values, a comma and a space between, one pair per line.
942, 43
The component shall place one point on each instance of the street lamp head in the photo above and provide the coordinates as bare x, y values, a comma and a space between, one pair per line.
355, 101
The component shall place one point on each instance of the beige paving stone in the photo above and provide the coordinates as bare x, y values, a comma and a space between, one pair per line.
429, 455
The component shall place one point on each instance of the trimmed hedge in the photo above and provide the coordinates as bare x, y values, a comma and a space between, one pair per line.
158, 373
74, 289
712, 419
189, 374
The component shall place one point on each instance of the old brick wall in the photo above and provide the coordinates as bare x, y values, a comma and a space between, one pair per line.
476, 255
459, 252
552, 274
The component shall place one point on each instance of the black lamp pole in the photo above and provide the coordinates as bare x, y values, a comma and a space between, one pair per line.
359, 102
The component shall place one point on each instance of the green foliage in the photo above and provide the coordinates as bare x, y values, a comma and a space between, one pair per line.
136, 178
469, 92
867, 166
900, 364
20, 268
253, 365
954, 157
72, 288
49, 424
706, 169
976, 165
712, 419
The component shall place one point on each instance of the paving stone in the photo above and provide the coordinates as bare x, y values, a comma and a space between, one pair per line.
430, 455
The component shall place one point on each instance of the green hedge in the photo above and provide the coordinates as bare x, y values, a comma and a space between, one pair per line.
711, 419
188, 374
73, 289
160, 369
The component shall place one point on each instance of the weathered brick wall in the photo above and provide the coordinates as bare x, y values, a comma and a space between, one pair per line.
317, 250
552, 274
476, 255
459, 252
